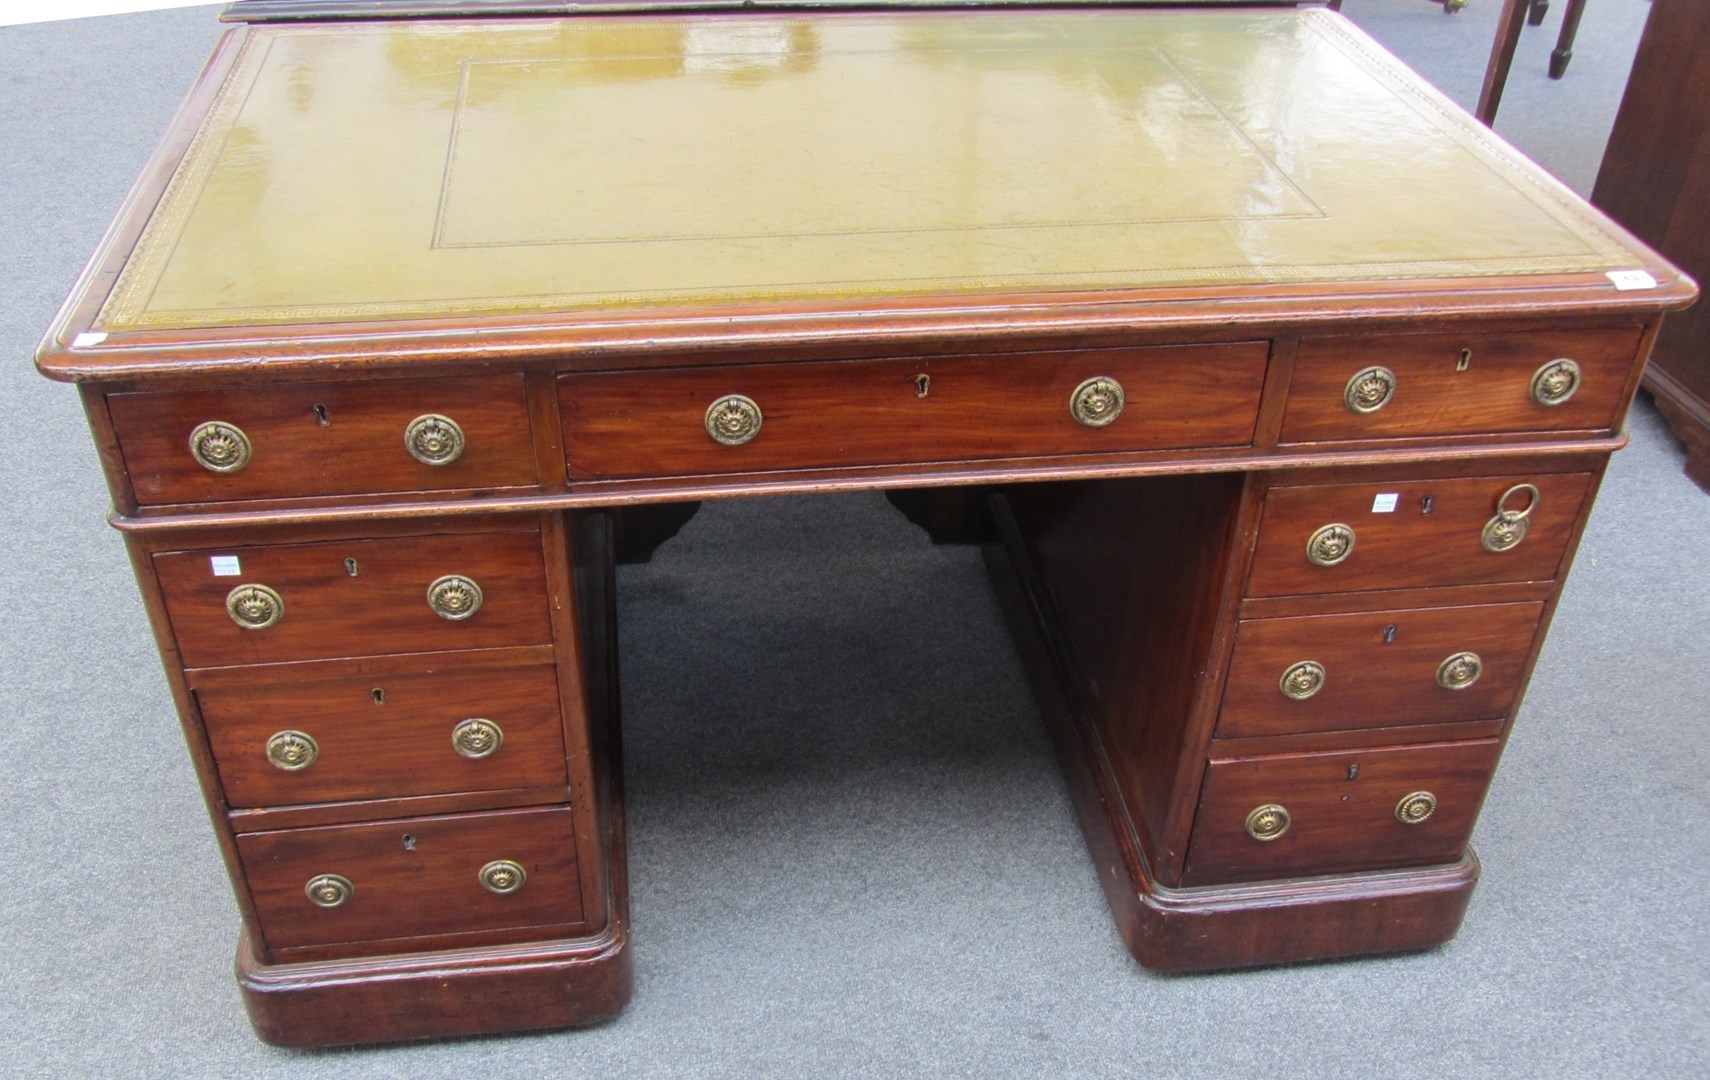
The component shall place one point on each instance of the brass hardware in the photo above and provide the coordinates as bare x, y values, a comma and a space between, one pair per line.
922, 385
292, 751
1389, 634
1427, 504
476, 738
1555, 382
1459, 671
433, 439
379, 695
351, 568
1302, 680
1465, 360
321, 416
1509, 527
1330, 545
254, 607
1415, 808
733, 420
1098, 401
1267, 822
1353, 774
1369, 390
503, 876
454, 597
329, 890
219, 447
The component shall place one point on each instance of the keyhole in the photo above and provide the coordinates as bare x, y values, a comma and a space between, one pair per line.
1389, 634
321, 417
1465, 361
922, 385
409, 842
378, 695
1425, 504
1353, 773
350, 567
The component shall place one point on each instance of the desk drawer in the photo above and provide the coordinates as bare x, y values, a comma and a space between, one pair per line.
1431, 395
1338, 537
1339, 812
872, 412
325, 439
355, 597
413, 877
384, 736
1376, 669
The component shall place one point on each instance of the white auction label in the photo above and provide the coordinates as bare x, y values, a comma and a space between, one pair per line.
1385, 503
1628, 280
225, 565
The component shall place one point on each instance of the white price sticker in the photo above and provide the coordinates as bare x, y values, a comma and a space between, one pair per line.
225, 565
1628, 280
1385, 503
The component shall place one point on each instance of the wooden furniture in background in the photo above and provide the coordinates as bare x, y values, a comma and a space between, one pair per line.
1283, 388
1515, 15
1656, 181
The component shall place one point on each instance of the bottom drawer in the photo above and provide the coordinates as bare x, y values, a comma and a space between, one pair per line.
1292, 814
414, 877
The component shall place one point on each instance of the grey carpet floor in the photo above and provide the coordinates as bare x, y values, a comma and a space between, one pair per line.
851, 853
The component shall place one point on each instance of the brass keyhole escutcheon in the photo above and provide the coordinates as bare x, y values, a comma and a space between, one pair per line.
733, 420
433, 439
477, 738
1097, 402
922, 385
1302, 680
454, 597
1555, 382
1266, 823
220, 447
255, 607
1369, 390
1459, 671
503, 876
1330, 545
1510, 525
329, 890
292, 751
1415, 808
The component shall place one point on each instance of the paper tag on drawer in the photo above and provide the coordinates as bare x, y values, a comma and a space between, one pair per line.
225, 565
1382, 504
1628, 280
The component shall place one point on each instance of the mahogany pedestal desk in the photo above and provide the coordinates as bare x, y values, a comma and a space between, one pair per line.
1277, 388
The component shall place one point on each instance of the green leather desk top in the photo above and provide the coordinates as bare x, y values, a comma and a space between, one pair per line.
421, 170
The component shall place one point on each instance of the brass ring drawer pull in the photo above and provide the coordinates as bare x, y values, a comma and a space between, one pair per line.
219, 447
503, 876
255, 607
1369, 390
1097, 402
292, 751
329, 890
476, 738
1459, 671
433, 439
1505, 531
1302, 680
1555, 382
1330, 545
1415, 808
1267, 822
454, 597
733, 420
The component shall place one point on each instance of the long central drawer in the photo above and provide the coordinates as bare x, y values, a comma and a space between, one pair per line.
867, 412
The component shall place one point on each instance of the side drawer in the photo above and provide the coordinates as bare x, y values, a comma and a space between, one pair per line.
1339, 537
1458, 384
1376, 669
325, 439
355, 597
1343, 811
383, 736
867, 412
414, 877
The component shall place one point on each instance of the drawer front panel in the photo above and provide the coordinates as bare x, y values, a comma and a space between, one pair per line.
1376, 669
866, 412
1341, 810
325, 439
386, 736
1434, 536
326, 611
413, 877
1433, 395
